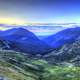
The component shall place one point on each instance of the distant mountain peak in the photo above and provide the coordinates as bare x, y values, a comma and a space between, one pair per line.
18, 29
20, 39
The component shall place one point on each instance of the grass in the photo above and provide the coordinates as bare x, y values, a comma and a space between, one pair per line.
17, 66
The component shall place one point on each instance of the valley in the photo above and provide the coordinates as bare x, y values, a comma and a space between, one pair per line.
25, 57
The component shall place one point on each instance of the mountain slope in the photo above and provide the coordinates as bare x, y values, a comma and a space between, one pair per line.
65, 36
18, 66
20, 39
68, 53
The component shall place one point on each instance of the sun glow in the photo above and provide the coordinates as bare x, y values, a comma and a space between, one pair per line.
12, 21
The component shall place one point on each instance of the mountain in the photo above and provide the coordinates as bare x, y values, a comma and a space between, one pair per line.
22, 40
65, 36
69, 53
20, 66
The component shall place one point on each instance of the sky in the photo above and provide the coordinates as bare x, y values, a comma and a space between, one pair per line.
39, 11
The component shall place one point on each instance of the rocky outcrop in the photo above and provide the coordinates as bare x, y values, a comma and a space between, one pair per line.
68, 53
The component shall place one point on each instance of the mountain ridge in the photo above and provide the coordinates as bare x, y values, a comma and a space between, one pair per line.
69, 53
62, 37
25, 41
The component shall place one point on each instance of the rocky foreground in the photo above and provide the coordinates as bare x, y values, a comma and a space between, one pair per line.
18, 66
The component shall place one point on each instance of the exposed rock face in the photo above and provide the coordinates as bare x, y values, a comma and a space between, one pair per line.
68, 53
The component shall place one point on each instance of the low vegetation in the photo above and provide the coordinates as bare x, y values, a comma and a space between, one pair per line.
18, 66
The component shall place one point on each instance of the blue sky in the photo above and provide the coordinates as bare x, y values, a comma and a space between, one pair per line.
41, 11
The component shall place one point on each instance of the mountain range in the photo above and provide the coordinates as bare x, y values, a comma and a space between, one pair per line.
58, 56
66, 45
22, 40
63, 46
62, 37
